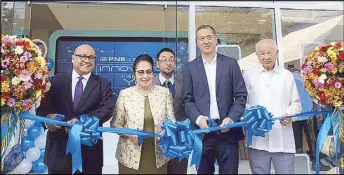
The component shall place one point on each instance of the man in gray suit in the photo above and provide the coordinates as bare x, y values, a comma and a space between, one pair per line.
166, 64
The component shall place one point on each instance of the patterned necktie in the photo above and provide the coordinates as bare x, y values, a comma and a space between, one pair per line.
78, 92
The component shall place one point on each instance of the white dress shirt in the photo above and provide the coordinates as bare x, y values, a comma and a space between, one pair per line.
210, 70
276, 91
75, 79
162, 79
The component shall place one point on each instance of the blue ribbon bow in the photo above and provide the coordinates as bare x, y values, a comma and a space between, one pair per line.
258, 122
177, 139
83, 132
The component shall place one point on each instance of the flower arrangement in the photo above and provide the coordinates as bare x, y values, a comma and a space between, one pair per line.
323, 74
23, 74
24, 81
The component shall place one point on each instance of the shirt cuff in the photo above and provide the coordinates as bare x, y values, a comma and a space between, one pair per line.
198, 119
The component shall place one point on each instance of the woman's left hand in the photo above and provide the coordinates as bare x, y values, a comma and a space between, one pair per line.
158, 138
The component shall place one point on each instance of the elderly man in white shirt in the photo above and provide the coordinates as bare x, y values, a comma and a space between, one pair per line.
274, 88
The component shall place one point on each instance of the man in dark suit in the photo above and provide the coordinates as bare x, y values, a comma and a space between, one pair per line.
72, 94
166, 64
214, 89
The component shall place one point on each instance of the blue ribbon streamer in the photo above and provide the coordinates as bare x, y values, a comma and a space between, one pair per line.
84, 132
177, 140
331, 120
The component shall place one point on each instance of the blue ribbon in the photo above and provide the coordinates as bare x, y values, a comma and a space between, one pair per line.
178, 140
258, 122
84, 132
331, 120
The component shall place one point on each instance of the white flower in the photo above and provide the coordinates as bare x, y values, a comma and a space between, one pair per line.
18, 50
15, 80
322, 59
322, 78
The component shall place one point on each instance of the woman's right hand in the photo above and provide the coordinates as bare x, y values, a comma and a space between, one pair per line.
133, 138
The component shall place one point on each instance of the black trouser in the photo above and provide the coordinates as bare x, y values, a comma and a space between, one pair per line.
216, 146
176, 167
298, 128
68, 169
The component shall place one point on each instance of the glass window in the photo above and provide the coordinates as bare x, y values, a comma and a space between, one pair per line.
118, 32
13, 18
303, 30
241, 28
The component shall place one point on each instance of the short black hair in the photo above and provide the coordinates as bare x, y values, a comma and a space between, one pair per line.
164, 50
206, 26
290, 66
143, 57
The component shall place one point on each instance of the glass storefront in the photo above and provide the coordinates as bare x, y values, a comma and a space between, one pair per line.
119, 31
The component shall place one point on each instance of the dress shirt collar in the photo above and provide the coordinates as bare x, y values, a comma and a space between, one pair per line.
276, 69
162, 79
212, 62
76, 75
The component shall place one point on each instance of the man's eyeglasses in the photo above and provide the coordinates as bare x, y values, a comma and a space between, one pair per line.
167, 61
84, 57
142, 72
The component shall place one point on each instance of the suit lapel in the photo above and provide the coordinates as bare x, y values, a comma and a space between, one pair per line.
69, 91
156, 80
91, 84
201, 71
178, 94
219, 67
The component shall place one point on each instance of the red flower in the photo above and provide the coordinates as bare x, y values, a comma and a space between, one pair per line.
316, 72
338, 45
37, 84
322, 95
3, 78
6, 95
26, 45
324, 48
341, 56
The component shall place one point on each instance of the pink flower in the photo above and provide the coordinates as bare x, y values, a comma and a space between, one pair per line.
25, 75
329, 67
27, 85
309, 63
307, 69
11, 102
337, 85
28, 55
23, 59
5, 64
6, 38
26, 102
39, 75
317, 84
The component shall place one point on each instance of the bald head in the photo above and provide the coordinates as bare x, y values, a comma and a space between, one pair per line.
266, 42
84, 49
267, 53
83, 59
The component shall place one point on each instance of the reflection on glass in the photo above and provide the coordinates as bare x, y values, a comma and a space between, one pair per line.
14, 17
303, 30
117, 32
240, 27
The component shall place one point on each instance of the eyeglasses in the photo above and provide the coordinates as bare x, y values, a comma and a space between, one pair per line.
142, 72
84, 57
167, 61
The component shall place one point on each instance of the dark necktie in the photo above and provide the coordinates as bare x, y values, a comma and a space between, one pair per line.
169, 85
78, 92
